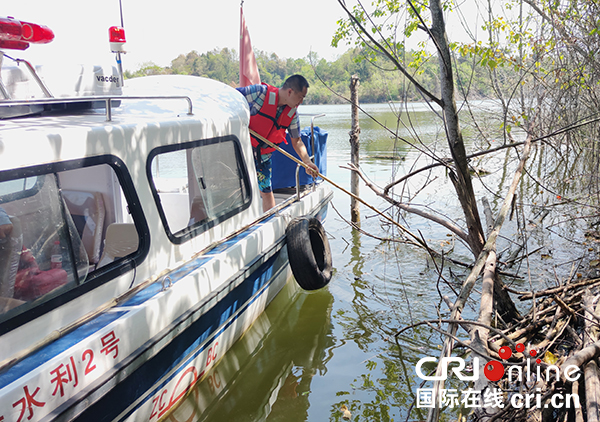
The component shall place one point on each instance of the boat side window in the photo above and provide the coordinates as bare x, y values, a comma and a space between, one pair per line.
62, 231
198, 184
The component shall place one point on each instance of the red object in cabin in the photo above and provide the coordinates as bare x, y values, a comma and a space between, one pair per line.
42, 283
16, 35
32, 283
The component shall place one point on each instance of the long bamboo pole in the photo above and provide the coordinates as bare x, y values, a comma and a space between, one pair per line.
297, 161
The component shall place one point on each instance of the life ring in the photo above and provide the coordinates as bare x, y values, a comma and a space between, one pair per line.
309, 253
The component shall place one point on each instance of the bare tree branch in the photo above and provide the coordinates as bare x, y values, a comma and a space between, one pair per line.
437, 219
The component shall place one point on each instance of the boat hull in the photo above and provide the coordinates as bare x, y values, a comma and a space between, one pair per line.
153, 381
194, 351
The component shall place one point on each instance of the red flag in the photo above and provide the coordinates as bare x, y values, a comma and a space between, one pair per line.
248, 69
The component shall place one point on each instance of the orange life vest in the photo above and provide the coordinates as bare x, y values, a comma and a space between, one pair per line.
266, 123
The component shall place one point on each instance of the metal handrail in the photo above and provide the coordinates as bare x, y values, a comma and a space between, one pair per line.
3, 90
312, 131
312, 145
36, 77
33, 72
106, 98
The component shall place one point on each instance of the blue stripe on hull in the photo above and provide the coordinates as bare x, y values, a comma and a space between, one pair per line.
188, 268
200, 335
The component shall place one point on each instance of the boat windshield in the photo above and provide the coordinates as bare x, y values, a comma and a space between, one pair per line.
40, 249
55, 236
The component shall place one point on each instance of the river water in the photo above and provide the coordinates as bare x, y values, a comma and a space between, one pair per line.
311, 353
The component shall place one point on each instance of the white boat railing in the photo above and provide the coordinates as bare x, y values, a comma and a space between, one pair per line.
36, 77
107, 99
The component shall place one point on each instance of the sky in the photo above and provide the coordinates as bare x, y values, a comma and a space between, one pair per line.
160, 31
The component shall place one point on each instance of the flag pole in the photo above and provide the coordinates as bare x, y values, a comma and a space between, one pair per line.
249, 74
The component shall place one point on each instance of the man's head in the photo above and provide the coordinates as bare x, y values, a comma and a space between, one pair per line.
293, 91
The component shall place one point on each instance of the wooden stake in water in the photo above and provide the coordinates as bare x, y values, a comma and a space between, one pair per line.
354, 149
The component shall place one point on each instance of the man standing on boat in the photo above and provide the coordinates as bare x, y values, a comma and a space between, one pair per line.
272, 112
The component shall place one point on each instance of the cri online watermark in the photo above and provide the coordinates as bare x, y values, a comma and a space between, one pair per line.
494, 371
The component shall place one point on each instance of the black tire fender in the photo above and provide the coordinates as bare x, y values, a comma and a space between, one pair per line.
309, 253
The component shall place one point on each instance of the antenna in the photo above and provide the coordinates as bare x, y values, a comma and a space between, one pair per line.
121, 12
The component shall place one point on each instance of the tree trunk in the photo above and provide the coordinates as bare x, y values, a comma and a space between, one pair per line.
461, 178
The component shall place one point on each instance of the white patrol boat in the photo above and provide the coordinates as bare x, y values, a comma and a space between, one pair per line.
133, 247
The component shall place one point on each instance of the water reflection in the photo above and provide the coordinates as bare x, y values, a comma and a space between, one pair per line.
267, 374
356, 254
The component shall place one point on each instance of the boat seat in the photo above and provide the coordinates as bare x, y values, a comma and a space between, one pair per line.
88, 213
197, 210
10, 253
121, 240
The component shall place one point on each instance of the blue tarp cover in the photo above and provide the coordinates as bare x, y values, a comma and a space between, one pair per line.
284, 169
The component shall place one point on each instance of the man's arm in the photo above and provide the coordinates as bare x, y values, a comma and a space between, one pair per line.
300, 149
255, 95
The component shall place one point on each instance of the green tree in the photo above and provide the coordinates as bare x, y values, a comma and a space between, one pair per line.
147, 69
328, 79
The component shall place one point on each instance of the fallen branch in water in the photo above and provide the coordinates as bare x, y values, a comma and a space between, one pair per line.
555, 290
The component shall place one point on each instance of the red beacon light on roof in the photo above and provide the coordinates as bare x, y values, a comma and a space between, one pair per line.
117, 39
17, 35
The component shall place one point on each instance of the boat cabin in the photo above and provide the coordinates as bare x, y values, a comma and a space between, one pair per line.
127, 208
133, 246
